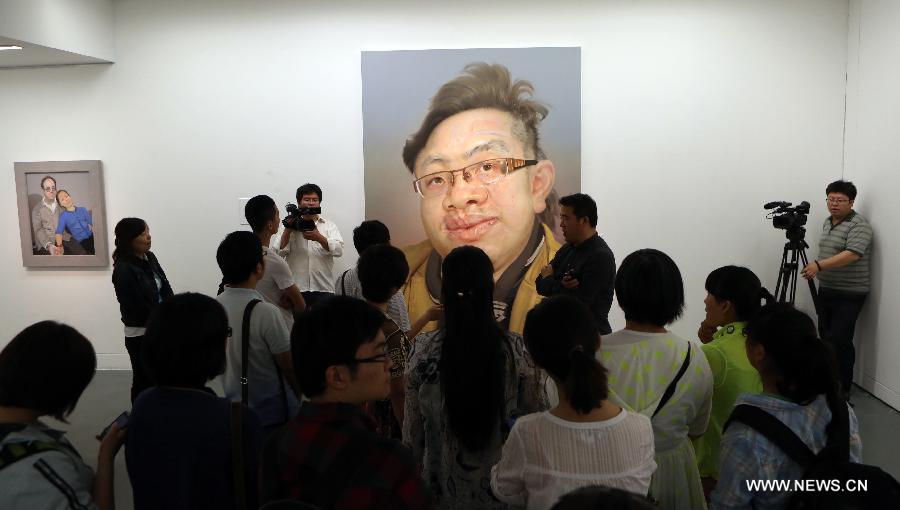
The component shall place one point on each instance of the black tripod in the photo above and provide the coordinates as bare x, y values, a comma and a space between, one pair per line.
794, 254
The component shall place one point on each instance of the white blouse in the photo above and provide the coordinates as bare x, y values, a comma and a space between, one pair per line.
546, 457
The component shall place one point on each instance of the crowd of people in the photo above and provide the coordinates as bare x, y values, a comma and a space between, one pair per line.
477, 369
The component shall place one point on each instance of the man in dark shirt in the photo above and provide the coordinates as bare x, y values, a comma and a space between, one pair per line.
584, 267
329, 455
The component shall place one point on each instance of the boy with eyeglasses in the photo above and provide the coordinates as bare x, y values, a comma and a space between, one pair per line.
843, 270
330, 455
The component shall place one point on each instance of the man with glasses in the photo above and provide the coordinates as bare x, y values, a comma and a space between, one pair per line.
311, 253
483, 180
843, 269
44, 220
330, 455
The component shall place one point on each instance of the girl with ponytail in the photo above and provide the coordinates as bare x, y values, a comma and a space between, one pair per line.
800, 388
734, 296
465, 383
586, 439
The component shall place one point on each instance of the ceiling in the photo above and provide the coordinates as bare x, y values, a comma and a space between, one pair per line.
32, 55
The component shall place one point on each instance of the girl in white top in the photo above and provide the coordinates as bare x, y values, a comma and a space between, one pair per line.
585, 440
643, 361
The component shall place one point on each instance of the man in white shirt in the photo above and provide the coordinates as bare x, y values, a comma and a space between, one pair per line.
310, 252
272, 385
277, 284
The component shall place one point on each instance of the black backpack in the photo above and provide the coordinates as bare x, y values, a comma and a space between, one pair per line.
831, 479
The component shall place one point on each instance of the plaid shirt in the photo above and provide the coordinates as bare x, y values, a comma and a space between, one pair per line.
748, 455
330, 456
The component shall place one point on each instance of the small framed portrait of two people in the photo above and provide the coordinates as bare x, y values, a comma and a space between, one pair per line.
62, 220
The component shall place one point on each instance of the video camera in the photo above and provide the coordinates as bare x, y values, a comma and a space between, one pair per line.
786, 217
294, 220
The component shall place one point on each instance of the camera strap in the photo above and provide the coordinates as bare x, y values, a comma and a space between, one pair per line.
670, 390
245, 351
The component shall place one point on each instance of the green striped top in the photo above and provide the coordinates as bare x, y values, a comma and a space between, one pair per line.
853, 233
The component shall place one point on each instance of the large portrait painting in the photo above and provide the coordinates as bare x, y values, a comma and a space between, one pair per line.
62, 221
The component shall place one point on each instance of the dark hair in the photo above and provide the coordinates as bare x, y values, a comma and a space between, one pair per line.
308, 189
127, 230
481, 85
61, 191
382, 270
649, 288
370, 233
44, 178
46, 368
582, 205
845, 187
473, 361
184, 345
740, 286
330, 334
804, 366
238, 255
562, 337
259, 211
596, 497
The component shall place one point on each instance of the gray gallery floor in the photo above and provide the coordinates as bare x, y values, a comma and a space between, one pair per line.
107, 396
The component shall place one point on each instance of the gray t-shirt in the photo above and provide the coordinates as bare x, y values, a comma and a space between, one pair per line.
268, 336
852, 234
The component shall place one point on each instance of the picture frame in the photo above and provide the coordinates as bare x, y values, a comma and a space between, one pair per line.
50, 194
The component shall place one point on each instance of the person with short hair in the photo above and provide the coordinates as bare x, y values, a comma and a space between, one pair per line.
43, 372
330, 455
552, 453
843, 268
75, 220
45, 219
272, 386
645, 359
733, 296
465, 384
800, 389
140, 284
179, 445
277, 284
311, 253
484, 181
584, 267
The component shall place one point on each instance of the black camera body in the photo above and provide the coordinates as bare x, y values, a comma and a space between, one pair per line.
294, 219
785, 217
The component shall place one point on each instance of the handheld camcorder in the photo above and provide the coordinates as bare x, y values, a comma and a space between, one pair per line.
294, 219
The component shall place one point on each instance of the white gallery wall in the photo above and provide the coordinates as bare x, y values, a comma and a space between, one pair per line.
695, 113
872, 163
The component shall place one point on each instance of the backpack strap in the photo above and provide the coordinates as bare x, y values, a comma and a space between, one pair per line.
344, 287
245, 351
670, 390
237, 455
774, 430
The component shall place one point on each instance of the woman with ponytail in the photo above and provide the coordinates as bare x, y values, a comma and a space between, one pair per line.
140, 285
659, 374
465, 384
734, 296
800, 388
586, 439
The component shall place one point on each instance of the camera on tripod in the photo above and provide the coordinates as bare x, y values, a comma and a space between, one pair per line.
295, 221
786, 217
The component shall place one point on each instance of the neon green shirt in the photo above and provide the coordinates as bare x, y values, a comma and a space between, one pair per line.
732, 375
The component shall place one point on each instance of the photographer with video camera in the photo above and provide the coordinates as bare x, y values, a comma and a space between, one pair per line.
842, 268
309, 244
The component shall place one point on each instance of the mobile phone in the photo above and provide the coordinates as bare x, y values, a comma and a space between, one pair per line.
121, 421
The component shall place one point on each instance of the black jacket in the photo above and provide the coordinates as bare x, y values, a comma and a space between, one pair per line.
136, 288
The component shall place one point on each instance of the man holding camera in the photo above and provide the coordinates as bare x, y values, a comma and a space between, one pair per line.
843, 272
309, 244
584, 267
